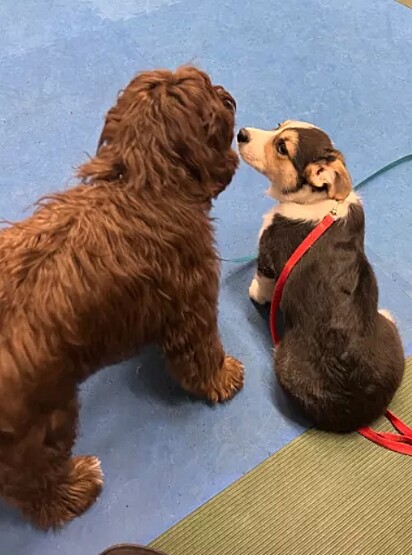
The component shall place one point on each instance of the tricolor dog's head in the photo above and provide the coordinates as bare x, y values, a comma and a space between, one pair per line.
299, 159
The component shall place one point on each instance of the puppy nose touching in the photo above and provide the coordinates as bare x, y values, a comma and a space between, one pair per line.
243, 136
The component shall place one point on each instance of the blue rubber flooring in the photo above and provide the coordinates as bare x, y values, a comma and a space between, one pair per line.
345, 65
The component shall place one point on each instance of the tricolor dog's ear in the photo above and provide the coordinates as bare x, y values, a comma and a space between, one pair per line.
330, 172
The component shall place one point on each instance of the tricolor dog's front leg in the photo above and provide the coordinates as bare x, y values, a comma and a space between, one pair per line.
261, 289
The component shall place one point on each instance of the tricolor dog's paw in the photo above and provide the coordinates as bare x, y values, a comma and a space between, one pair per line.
261, 289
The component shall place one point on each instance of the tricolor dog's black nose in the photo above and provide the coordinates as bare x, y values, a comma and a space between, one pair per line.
243, 136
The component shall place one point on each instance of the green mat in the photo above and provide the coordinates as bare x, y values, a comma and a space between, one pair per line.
320, 495
407, 3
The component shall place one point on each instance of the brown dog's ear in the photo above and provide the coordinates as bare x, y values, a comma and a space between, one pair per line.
332, 173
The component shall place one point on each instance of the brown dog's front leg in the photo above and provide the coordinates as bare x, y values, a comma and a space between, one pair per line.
197, 359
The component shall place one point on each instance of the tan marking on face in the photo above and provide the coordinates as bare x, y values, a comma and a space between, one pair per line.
291, 139
279, 167
253, 152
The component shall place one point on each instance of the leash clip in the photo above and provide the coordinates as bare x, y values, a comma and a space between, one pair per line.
334, 211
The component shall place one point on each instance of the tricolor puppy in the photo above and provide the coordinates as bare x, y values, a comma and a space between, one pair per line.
340, 358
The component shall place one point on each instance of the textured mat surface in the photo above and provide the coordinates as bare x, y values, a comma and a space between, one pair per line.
406, 3
321, 495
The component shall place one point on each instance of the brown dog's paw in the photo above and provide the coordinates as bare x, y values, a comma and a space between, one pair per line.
72, 497
227, 382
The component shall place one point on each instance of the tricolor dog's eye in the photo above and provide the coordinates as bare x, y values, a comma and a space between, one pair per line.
281, 148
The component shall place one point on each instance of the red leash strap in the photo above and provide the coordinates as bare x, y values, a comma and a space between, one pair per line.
302, 249
400, 442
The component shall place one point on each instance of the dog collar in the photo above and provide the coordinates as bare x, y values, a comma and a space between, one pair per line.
400, 442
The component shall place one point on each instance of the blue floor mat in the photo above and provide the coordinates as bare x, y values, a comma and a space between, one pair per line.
344, 65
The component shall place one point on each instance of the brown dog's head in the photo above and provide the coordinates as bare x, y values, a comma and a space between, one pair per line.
171, 130
300, 161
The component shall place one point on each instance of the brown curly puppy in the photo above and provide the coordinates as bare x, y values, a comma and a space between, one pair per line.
123, 259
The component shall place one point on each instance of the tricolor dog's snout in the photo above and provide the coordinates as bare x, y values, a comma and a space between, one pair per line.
243, 136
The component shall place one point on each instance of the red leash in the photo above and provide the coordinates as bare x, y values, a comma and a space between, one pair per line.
400, 442
302, 249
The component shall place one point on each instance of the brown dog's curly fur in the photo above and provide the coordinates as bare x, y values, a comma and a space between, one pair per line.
123, 259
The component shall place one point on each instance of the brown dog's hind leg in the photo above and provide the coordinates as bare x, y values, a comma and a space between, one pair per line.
39, 476
197, 359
